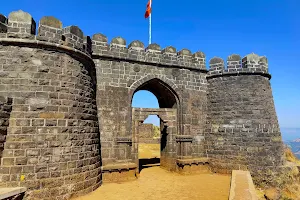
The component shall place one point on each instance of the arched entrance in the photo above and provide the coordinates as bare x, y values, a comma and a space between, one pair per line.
167, 112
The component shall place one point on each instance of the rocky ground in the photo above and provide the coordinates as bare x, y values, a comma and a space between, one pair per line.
289, 191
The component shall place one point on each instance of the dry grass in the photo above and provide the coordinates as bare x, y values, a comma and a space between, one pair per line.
289, 155
290, 191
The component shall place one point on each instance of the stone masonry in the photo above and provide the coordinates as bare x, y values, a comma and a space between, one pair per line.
68, 123
52, 141
147, 133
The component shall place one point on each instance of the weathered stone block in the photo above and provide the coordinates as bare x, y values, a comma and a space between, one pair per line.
20, 24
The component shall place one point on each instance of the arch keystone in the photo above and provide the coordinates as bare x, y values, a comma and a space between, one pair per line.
148, 77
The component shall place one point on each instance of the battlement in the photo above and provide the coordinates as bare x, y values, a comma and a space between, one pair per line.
152, 54
20, 25
252, 63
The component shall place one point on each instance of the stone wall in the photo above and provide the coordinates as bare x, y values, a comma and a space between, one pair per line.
146, 131
52, 142
5, 109
122, 70
243, 131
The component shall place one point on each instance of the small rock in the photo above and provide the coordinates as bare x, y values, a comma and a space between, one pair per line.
272, 194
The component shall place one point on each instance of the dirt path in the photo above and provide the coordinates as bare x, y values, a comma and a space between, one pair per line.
149, 150
155, 183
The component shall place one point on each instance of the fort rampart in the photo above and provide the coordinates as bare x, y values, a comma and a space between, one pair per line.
67, 119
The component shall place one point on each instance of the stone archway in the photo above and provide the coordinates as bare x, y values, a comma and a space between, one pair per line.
168, 128
164, 89
168, 112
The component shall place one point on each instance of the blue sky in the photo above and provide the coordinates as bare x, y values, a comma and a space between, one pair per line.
218, 28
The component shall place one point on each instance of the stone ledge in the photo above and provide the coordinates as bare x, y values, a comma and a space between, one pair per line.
191, 161
238, 73
193, 166
184, 138
241, 186
148, 62
11, 192
119, 166
124, 139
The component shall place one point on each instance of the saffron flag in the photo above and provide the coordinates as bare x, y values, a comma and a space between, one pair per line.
148, 10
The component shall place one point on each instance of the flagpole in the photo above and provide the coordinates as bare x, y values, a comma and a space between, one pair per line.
150, 22
150, 29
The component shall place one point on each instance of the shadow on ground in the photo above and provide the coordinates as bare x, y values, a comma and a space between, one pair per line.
148, 162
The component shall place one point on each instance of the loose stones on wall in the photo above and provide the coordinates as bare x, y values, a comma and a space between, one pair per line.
136, 68
175, 72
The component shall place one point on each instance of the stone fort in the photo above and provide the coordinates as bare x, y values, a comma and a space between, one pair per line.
68, 125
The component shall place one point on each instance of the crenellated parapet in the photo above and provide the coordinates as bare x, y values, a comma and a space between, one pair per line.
136, 51
250, 64
20, 27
